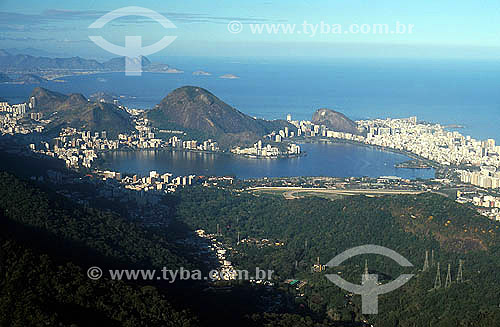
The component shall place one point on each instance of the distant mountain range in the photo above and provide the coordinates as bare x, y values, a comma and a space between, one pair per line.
25, 62
22, 63
27, 78
31, 52
76, 111
189, 108
196, 109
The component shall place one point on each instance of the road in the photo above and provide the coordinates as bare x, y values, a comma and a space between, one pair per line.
291, 192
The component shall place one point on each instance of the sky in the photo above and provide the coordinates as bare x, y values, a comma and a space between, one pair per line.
460, 29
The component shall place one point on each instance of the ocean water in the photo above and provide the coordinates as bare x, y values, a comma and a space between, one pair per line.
447, 92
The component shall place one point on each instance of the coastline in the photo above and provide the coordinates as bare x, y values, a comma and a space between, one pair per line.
226, 153
434, 165
412, 155
87, 73
104, 162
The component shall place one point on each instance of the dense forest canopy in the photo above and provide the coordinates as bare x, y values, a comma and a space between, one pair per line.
48, 242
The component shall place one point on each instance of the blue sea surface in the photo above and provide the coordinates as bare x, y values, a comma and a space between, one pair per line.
446, 92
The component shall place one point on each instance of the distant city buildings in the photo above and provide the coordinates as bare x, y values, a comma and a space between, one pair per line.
261, 150
430, 141
475, 162
13, 119
488, 205
487, 177
15, 109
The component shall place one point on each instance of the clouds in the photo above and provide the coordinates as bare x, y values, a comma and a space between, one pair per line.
58, 14
54, 15
25, 39
53, 20
69, 28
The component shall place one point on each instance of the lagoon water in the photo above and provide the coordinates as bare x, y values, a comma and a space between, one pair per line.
335, 160
448, 92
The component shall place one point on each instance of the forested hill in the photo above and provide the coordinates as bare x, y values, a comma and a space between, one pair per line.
411, 225
74, 110
195, 109
48, 242
47, 245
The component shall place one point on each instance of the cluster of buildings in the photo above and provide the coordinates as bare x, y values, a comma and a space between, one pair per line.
154, 182
207, 145
15, 109
487, 177
476, 162
145, 138
14, 119
488, 205
145, 190
81, 148
226, 271
431, 141
283, 134
269, 151
307, 128
261, 243
76, 148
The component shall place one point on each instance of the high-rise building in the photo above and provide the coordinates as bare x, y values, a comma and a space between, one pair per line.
32, 103
491, 144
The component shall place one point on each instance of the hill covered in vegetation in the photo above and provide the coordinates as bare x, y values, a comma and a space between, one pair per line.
311, 229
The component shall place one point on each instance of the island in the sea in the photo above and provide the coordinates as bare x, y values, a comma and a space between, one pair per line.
28, 69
